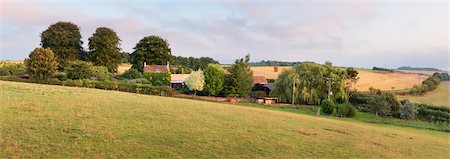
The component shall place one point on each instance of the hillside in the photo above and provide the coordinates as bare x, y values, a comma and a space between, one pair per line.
440, 96
43, 121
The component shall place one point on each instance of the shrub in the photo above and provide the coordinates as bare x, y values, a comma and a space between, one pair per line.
433, 113
107, 85
153, 77
327, 107
131, 74
79, 70
88, 83
73, 83
41, 63
61, 76
138, 81
409, 110
100, 73
379, 105
345, 110
10, 68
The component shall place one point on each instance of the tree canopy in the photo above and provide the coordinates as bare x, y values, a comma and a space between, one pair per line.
151, 49
243, 75
195, 81
193, 62
64, 39
104, 48
214, 79
312, 82
41, 64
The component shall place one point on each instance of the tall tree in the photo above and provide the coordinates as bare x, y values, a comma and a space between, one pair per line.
196, 81
214, 79
104, 48
41, 64
241, 71
64, 39
313, 83
152, 50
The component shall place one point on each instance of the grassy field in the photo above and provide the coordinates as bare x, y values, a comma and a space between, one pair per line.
440, 96
42, 121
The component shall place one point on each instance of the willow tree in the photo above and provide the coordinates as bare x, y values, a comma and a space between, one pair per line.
313, 82
104, 48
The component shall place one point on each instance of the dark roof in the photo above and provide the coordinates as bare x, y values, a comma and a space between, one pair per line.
156, 68
269, 85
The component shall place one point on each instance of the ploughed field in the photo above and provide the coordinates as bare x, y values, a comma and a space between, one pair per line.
42, 121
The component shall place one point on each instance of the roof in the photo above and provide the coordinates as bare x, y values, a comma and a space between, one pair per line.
269, 86
178, 78
156, 68
260, 79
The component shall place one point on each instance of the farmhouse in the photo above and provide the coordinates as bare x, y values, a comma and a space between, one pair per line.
156, 68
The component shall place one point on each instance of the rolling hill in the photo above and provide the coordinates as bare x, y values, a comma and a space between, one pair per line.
43, 121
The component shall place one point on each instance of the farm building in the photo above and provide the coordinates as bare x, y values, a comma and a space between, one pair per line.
177, 80
259, 79
156, 68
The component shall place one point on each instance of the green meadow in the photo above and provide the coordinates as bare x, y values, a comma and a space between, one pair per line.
44, 121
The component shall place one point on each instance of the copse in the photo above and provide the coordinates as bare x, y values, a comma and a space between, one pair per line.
41, 64
313, 83
214, 79
152, 50
104, 48
64, 39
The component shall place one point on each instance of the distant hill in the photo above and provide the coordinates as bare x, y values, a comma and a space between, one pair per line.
418, 68
273, 63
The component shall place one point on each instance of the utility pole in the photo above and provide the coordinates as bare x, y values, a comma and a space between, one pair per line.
293, 91
329, 82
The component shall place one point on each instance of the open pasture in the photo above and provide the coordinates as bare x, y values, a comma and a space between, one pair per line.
44, 121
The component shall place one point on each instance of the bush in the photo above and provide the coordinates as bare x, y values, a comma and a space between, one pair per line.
41, 63
100, 73
138, 81
131, 74
154, 77
79, 70
345, 110
107, 85
10, 68
88, 83
73, 83
409, 110
433, 113
327, 107
61, 76
379, 105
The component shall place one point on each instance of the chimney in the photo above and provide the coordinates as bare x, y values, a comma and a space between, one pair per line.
145, 64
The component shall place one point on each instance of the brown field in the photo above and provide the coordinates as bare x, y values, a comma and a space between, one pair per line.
368, 78
387, 81
123, 67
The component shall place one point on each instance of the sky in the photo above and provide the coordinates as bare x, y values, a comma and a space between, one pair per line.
348, 33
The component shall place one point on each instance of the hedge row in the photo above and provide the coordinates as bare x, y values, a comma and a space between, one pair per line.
106, 85
433, 113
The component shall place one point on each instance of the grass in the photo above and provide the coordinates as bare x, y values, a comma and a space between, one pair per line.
360, 117
43, 121
440, 96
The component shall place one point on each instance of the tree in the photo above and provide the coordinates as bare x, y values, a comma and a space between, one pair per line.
214, 79
104, 48
41, 64
64, 39
313, 83
125, 57
152, 50
409, 111
229, 87
195, 81
194, 63
241, 71
79, 70
379, 105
